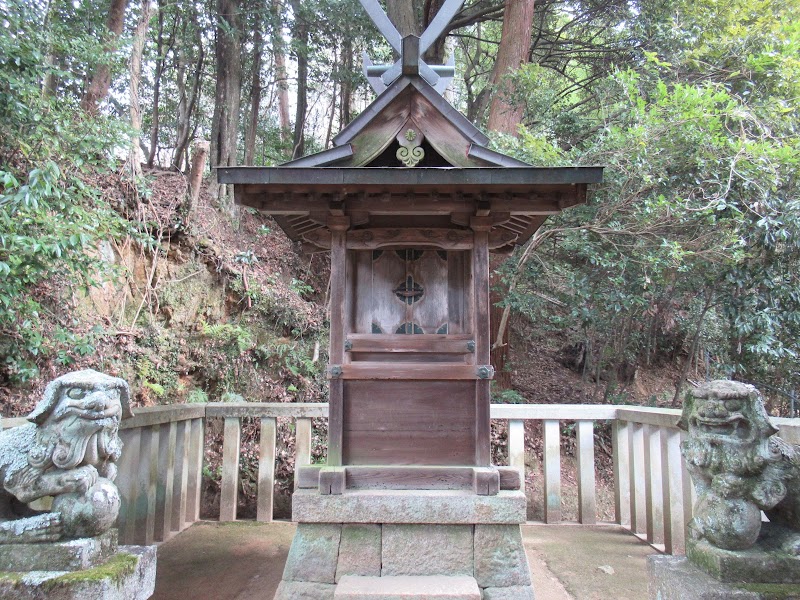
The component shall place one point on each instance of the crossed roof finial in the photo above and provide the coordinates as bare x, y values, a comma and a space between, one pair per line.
411, 48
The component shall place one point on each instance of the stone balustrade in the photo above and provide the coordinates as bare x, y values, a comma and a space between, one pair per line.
160, 473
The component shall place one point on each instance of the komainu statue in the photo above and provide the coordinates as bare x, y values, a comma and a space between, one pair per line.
68, 451
739, 467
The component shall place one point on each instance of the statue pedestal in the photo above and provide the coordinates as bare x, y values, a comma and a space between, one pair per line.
129, 573
765, 562
675, 578
437, 544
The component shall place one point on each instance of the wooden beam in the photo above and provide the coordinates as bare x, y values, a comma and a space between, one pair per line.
409, 371
447, 239
400, 343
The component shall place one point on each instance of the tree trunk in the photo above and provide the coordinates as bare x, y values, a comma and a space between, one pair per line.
199, 156
301, 47
403, 14
225, 125
693, 350
255, 99
346, 83
505, 113
101, 78
154, 125
136, 76
186, 104
281, 77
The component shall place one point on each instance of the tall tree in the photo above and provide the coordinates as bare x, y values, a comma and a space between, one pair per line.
300, 42
101, 78
228, 52
255, 96
505, 112
135, 77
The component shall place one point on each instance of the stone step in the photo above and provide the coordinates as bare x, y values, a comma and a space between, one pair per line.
407, 587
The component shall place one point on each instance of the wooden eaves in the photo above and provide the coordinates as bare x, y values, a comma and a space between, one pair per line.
518, 198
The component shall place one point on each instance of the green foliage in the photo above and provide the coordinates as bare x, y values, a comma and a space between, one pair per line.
234, 338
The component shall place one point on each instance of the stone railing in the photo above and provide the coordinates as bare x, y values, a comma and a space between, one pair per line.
160, 473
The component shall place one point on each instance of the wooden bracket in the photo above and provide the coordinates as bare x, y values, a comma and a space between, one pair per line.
486, 481
331, 481
510, 478
307, 476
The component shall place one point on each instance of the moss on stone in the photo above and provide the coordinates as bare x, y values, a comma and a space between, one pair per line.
11, 577
115, 569
773, 591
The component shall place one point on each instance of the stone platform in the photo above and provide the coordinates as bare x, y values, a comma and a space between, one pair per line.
128, 575
402, 587
675, 578
413, 534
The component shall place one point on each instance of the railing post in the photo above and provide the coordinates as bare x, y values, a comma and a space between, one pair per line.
653, 494
195, 476
144, 521
229, 494
181, 480
128, 468
637, 479
672, 482
266, 469
552, 471
688, 493
587, 504
302, 454
516, 446
622, 469
166, 470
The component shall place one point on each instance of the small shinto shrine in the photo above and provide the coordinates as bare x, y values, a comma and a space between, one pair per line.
409, 202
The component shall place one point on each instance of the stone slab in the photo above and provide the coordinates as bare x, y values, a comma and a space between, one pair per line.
766, 562
407, 588
303, 590
500, 559
68, 555
128, 575
408, 506
675, 578
427, 550
314, 553
514, 592
359, 551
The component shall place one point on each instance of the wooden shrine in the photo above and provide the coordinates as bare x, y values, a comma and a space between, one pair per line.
409, 202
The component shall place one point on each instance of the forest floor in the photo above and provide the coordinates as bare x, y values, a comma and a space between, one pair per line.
226, 307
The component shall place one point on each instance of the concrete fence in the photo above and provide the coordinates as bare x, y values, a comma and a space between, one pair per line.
160, 473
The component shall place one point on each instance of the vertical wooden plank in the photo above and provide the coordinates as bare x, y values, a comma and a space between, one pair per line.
266, 469
622, 470
166, 472
672, 481
637, 479
654, 509
456, 291
144, 529
181, 470
587, 503
302, 449
482, 333
231, 448
552, 471
128, 469
194, 486
516, 446
338, 227
335, 422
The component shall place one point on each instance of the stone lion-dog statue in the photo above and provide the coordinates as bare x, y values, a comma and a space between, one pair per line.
739, 467
67, 451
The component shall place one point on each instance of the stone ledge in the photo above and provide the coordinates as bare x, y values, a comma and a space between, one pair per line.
405, 587
675, 578
68, 555
128, 575
448, 507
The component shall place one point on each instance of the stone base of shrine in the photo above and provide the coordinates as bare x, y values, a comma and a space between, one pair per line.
407, 544
676, 578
